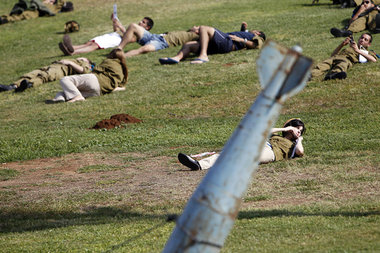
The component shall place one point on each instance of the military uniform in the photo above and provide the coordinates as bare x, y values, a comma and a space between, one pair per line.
110, 75
338, 63
53, 72
282, 147
278, 148
367, 21
105, 77
25, 9
359, 2
179, 38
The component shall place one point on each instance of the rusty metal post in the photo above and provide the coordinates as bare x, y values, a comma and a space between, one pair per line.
211, 211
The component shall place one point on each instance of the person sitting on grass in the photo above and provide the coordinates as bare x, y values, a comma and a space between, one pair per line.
213, 41
288, 145
341, 60
53, 72
110, 75
365, 16
31, 9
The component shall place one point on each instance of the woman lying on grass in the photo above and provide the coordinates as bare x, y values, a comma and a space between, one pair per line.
110, 75
286, 146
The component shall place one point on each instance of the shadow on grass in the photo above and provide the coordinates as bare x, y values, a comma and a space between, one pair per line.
285, 213
316, 4
18, 222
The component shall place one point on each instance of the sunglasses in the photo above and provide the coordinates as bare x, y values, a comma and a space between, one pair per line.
366, 2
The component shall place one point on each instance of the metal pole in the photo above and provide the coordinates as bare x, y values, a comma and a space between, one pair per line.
211, 211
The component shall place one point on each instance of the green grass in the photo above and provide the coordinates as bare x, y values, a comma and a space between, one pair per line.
327, 201
6, 174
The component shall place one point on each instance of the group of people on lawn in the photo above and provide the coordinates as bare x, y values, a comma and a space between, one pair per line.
80, 78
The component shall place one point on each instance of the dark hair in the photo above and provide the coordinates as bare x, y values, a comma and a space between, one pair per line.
150, 22
370, 35
68, 6
262, 35
295, 123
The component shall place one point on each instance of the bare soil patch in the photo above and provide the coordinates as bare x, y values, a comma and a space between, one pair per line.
142, 180
116, 120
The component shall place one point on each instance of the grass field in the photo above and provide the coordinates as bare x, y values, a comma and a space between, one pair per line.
66, 188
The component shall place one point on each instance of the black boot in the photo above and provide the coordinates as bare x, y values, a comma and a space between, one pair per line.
189, 162
340, 32
328, 77
339, 75
7, 87
3, 21
25, 84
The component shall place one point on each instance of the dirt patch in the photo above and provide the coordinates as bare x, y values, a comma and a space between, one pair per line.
139, 180
116, 120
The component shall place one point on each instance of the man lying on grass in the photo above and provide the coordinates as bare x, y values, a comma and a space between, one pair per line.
110, 75
288, 145
341, 60
30, 9
213, 41
50, 73
104, 41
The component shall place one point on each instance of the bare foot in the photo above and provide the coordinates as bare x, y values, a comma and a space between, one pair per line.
77, 98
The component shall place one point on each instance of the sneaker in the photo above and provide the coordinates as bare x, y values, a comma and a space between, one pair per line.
7, 87
340, 32
328, 77
189, 162
64, 49
25, 84
67, 43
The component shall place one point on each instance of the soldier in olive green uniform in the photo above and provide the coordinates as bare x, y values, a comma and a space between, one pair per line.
364, 17
341, 60
30, 9
50, 73
110, 75
278, 148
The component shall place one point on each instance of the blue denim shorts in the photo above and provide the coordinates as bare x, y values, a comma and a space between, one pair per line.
154, 39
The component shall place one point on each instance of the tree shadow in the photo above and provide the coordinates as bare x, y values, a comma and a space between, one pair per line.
285, 213
23, 221
316, 4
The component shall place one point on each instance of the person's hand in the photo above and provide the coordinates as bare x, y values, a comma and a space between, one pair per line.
236, 38
362, 8
346, 41
256, 33
294, 131
354, 46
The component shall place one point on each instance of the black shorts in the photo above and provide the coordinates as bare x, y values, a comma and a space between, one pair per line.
221, 43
